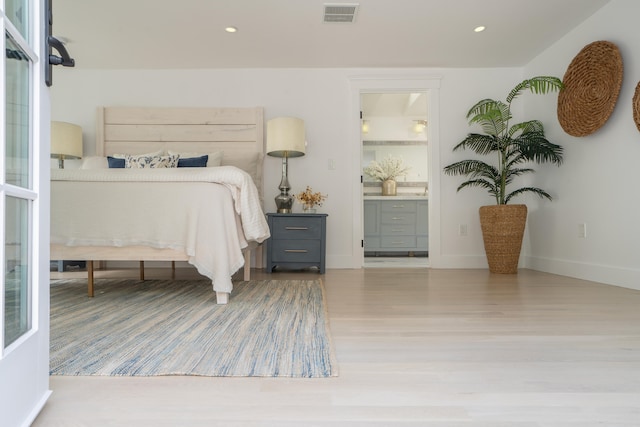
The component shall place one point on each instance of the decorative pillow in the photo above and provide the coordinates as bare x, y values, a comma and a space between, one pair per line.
155, 153
151, 162
115, 163
94, 162
215, 158
193, 162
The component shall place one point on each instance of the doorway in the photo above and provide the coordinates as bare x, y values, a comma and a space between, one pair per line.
398, 84
394, 145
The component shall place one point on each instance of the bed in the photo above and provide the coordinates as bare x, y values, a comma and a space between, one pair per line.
210, 217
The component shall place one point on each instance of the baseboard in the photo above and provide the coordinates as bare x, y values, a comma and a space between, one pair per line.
607, 274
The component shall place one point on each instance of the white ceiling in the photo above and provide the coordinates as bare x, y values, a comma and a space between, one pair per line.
291, 33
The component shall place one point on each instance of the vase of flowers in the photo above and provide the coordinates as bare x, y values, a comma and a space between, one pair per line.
389, 187
387, 171
310, 200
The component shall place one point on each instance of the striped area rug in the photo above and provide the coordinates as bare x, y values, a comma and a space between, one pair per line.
270, 328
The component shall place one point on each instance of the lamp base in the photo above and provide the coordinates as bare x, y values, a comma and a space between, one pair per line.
284, 202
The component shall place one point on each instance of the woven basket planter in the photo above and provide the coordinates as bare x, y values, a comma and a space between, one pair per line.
502, 231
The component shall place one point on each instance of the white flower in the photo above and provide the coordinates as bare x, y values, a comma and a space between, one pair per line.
389, 168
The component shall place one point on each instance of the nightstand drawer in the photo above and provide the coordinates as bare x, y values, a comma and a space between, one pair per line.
296, 228
296, 250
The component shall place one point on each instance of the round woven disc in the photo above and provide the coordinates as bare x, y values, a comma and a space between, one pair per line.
636, 106
592, 85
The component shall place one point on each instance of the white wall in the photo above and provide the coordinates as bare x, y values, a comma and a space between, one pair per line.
322, 97
598, 184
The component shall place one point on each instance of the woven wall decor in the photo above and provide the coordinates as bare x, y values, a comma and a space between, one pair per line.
592, 85
636, 106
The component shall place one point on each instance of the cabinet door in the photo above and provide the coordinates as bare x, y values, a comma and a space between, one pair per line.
371, 225
422, 225
371, 217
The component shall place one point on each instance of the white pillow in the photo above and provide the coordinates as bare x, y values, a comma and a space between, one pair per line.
94, 162
215, 158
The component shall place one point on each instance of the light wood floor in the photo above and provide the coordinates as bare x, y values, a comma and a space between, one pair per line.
416, 347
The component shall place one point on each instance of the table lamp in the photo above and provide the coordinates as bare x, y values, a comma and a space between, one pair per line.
285, 138
66, 142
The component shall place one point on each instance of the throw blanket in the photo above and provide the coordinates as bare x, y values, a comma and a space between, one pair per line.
209, 214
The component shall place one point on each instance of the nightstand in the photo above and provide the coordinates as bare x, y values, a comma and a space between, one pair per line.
297, 241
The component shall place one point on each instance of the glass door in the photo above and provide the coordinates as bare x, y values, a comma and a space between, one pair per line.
24, 211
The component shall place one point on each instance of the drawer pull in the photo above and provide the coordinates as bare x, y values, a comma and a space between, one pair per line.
397, 243
397, 218
297, 251
398, 206
397, 230
296, 228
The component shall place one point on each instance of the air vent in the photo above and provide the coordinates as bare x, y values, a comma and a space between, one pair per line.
342, 13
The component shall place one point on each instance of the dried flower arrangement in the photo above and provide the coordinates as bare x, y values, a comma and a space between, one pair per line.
388, 168
309, 198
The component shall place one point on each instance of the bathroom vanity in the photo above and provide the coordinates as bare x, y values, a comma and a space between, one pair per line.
396, 223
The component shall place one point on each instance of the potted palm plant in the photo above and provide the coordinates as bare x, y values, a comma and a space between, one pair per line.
512, 146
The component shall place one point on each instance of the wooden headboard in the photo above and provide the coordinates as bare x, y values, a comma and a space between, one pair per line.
237, 132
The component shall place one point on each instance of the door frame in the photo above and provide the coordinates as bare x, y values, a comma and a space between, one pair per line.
397, 83
24, 365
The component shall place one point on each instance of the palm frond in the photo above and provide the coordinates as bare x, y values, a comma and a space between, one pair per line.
538, 191
491, 188
472, 168
537, 85
481, 144
491, 115
516, 172
535, 147
526, 127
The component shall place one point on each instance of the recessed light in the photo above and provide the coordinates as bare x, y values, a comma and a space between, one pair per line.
479, 29
231, 29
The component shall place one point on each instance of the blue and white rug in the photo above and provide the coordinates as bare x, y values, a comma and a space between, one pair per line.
270, 328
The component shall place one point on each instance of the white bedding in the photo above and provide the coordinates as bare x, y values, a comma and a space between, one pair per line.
208, 213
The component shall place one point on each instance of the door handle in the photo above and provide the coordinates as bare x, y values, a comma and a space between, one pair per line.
53, 43
64, 59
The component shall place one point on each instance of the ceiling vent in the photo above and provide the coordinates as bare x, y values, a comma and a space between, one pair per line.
344, 13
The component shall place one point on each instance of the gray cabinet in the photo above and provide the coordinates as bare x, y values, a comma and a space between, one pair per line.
297, 241
396, 225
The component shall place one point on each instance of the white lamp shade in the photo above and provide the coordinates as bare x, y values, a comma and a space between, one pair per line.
285, 137
66, 140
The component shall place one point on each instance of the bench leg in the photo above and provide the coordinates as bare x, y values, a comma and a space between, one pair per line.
90, 278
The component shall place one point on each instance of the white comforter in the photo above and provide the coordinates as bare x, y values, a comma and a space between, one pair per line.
210, 214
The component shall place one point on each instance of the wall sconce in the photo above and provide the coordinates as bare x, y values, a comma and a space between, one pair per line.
285, 138
365, 126
419, 126
66, 142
